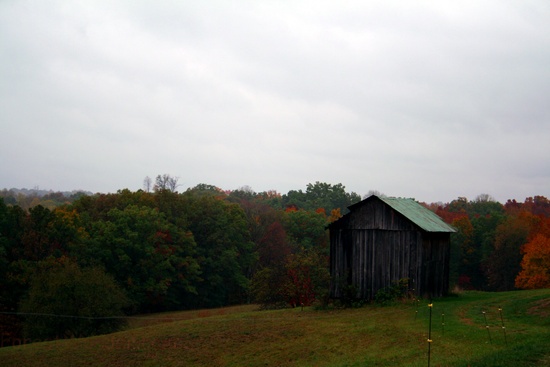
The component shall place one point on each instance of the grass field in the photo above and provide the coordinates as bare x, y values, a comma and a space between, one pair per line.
369, 336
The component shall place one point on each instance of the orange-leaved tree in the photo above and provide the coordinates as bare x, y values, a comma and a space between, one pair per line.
535, 265
503, 265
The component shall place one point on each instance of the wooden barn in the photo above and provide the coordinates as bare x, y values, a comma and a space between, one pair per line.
382, 240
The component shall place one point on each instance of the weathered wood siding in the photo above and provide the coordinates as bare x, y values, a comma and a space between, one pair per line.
434, 276
379, 258
375, 246
340, 256
377, 215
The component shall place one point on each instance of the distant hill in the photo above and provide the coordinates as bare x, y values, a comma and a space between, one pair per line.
36, 192
28, 198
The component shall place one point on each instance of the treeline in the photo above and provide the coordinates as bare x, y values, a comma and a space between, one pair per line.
499, 247
138, 252
28, 198
106, 255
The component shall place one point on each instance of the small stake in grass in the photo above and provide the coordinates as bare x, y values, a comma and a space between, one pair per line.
503, 327
417, 303
487, 327
430, 334
443, 323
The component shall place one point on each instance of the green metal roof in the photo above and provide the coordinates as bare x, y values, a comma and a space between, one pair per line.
418, 214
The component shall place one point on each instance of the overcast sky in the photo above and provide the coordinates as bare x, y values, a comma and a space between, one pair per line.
431, 100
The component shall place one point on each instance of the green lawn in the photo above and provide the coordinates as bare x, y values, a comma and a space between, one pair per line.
369, 336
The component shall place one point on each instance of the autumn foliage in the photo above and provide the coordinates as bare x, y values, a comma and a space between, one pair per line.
535, 266
498, 247
208, 247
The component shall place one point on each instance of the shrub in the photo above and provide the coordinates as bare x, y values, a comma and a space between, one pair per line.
268, 286
398, 290
67, 301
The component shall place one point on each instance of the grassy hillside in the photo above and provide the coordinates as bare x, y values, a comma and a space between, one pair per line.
369, 336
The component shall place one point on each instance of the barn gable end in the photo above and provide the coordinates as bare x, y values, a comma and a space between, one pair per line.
382, 240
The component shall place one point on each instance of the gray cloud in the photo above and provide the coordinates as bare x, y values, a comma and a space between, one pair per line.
427, 100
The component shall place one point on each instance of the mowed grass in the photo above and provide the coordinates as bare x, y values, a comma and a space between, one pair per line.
369, 336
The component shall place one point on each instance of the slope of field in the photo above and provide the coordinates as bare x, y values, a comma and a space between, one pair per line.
461, 333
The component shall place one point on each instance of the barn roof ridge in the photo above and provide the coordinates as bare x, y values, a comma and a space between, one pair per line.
412, 210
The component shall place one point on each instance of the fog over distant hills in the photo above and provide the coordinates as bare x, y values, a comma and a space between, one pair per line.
36, 191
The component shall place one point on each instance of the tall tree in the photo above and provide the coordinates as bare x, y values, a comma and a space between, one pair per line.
224, 249
166, 182
321, 195
13, 282
464, 264
535, 265
273, 247
308, 277
147, 184
503, 265
151, 258
306, 229
60, 288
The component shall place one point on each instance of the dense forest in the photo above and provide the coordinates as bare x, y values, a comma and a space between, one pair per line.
72, 263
